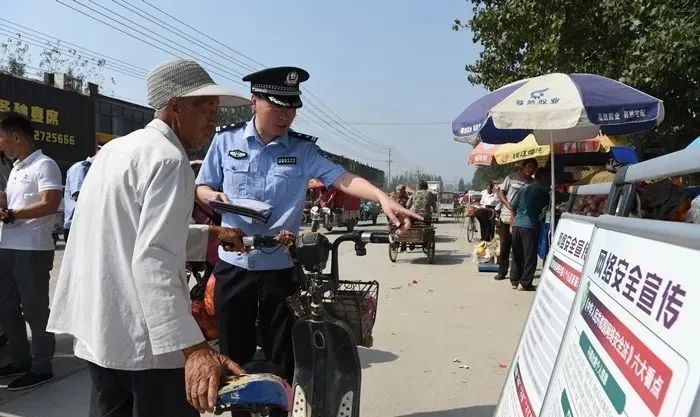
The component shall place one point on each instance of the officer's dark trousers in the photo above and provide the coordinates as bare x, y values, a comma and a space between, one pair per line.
241, 296
524, 256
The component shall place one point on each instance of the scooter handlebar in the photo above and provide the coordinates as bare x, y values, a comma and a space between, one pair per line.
259, 241
377, 237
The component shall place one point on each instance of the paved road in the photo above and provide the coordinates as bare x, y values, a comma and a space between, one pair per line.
452, 312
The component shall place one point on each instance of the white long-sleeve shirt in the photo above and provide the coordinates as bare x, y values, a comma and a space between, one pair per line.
122, 290
489, 199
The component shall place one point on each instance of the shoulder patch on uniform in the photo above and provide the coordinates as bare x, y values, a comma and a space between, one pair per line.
302, 136
224, 128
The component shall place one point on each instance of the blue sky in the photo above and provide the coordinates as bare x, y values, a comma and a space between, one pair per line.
378, 62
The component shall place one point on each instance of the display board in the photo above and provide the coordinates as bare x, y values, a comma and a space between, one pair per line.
632, 347
535, 356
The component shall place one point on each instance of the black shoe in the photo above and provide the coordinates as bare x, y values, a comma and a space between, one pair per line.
29, 380
9, 371
499, 277
528, 288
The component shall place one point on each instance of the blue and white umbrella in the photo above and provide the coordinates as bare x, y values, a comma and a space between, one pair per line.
558, 108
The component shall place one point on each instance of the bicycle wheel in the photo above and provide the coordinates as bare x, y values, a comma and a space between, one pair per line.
393, 251
471, 229
431, 252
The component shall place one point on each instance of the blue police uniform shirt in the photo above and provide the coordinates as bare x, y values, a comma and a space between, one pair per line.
242, 166
74, 180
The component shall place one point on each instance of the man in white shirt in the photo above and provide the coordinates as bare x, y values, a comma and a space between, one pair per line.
26, 253
489, 201
122, 292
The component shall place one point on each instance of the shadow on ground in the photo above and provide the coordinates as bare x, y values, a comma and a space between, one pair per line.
64, 364
369, 357
445, 239
449, 257
475, 411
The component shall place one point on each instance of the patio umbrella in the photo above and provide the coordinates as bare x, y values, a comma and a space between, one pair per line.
558, 108
529, 148
483, 154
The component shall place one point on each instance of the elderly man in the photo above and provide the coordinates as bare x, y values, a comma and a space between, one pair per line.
400, 196
122, 292
26, 252
423, 201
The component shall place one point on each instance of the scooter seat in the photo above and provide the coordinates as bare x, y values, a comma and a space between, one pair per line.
253, 392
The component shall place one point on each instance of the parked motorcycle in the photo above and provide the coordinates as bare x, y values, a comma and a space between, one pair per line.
330, 218
369, 210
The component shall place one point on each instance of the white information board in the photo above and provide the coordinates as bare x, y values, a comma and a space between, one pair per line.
530, 371
632, 347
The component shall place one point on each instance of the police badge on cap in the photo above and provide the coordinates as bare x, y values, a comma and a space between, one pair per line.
278, 85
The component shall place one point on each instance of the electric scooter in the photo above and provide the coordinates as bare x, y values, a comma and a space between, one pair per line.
334, 318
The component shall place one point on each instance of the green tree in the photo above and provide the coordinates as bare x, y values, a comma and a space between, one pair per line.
79, 69
461, 186
233, 115
13, 56
486, 174
410, 179
651, 45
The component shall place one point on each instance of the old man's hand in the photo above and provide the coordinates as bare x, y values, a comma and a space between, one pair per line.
230, 238
203, 369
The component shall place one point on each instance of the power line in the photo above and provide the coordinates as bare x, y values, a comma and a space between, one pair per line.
166, 26
204, 59
182, 46
28, 39
208, 37
362, 137
350, 135
130, 34
340, 143
347, 135
396, 123
343, 122
77, 47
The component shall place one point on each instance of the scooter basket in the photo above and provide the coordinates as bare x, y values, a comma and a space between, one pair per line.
353, 302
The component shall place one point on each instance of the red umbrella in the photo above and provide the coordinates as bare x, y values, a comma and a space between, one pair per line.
483, 154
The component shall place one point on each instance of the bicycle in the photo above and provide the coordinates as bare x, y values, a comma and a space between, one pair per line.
471, 222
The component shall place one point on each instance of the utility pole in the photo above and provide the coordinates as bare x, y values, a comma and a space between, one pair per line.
388, 181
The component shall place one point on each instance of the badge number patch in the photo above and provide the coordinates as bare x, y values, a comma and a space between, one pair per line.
237, 154
287, 160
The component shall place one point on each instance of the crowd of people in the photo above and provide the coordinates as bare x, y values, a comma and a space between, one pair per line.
514, 212
130, 234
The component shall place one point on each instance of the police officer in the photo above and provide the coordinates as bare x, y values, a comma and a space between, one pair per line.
265, 160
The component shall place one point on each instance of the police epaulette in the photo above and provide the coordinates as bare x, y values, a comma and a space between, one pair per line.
302, 136
224, 128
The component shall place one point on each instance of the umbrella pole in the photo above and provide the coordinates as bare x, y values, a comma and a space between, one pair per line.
552, 191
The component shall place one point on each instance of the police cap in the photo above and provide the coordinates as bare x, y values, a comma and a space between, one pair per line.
279, 85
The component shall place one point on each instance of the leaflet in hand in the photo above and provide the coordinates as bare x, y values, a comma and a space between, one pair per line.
257, 210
